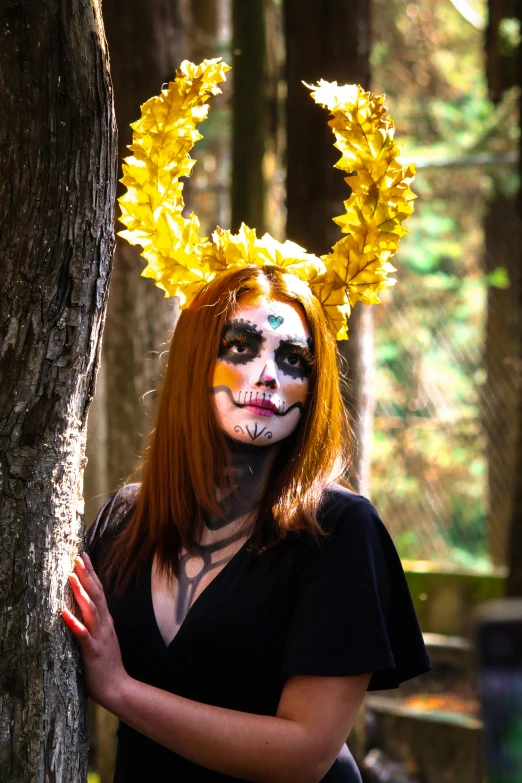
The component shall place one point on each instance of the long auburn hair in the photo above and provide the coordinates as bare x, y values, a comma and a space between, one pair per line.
187, 456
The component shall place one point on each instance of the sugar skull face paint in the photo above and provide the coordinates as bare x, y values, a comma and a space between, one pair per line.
261, 376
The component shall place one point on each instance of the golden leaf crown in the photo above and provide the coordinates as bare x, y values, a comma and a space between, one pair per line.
181, 262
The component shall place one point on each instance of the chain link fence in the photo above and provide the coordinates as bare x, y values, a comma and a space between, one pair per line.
447, 370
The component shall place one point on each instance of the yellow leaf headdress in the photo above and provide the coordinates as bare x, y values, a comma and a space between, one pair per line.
181, 262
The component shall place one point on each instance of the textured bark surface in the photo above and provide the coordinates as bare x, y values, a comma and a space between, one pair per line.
327, 40
57, 180
514, 582
145, 39
204, 21
499, 398
501, 60
249, 114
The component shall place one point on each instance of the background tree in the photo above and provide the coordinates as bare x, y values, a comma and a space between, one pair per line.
203, 23
502, 349
207, 190
501, 358
249, 114
328, 40
57, 182
514, 583
146, 44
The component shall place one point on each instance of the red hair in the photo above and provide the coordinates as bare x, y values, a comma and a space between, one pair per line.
187, 452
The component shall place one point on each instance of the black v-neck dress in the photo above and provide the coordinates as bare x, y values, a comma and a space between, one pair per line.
334, 608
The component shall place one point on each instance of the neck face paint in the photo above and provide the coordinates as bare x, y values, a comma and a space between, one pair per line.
261, 375
245, 485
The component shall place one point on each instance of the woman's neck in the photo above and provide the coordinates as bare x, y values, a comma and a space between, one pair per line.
250, 469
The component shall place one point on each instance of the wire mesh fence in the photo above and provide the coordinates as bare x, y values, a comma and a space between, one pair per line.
448, 370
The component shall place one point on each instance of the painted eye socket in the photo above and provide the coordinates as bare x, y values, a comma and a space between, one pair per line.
238, 346
296, 361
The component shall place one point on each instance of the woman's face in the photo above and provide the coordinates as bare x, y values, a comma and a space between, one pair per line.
261, 375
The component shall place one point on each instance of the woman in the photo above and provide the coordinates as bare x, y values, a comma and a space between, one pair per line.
248, 599
253, 598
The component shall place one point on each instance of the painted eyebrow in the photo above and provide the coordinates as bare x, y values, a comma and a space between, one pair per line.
294, 340
245, 326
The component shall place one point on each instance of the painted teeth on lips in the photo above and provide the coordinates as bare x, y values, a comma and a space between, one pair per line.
261, 407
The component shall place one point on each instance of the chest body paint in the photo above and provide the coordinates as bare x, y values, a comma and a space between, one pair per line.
220, 539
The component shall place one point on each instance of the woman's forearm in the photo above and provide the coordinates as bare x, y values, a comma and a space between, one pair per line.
253, 747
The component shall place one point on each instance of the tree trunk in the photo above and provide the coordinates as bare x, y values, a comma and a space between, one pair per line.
501, 57
275, 133
328, 40
146, 45
514, 582
58, 149
502, 357
145, 40
249, 111
203, 29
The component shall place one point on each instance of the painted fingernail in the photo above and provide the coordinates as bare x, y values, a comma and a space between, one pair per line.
78, 560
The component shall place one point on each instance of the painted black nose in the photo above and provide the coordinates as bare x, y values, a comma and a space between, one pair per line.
269, 383
268, 378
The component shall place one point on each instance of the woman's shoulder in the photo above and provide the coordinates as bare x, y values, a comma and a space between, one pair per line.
352, 524
341, 507
113, 515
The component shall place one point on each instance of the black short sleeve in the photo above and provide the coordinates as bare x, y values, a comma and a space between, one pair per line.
354, 612
110, 520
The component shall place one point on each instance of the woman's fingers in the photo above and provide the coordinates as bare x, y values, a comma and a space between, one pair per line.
74, 625
88, 607
90, 583
89, 594
90, 568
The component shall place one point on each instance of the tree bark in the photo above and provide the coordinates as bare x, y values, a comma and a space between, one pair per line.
514, 581
501, 58
499, 401
57, 183
203, 27
514, 558
328, 40
249, 114
146, 45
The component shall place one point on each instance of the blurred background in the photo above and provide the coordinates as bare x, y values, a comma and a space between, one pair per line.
434, 372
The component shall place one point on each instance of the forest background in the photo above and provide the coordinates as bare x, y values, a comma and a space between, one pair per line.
434, 371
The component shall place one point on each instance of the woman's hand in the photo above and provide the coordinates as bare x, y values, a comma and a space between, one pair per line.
96, 637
